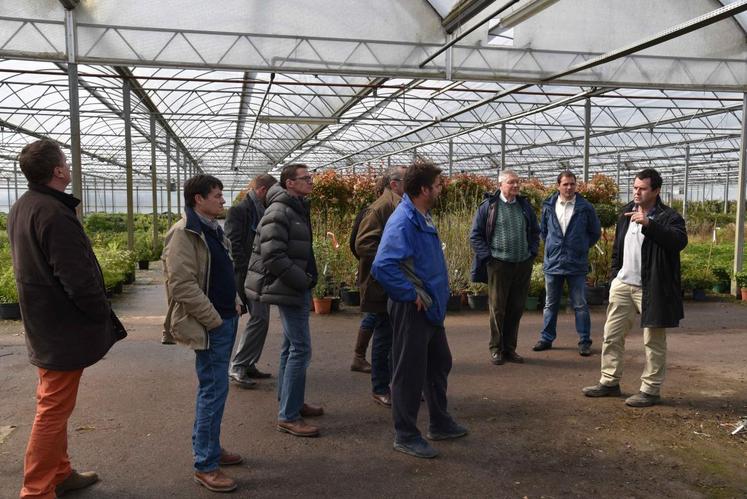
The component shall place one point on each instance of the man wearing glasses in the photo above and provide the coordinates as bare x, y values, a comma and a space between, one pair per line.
373, 296
282, 271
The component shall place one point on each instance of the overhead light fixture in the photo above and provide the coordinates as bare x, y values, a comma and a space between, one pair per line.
521, 14
297, 120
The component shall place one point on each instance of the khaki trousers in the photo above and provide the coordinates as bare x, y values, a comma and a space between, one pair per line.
625, 303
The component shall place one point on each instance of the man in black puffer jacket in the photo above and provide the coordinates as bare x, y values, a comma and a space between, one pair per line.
282, 271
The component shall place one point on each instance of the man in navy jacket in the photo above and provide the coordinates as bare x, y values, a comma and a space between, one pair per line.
505, 238
418, 289
570, 227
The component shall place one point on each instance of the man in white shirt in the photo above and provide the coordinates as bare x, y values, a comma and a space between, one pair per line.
646, 265
570, 227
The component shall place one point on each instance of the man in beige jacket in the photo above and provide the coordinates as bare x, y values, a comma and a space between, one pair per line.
203, 314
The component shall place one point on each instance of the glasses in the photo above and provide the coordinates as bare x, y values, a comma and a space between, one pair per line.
395, 179
305, 178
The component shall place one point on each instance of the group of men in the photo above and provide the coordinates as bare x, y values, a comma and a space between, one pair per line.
645, 273
266, 257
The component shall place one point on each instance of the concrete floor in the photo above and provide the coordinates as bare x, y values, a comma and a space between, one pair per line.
532, 432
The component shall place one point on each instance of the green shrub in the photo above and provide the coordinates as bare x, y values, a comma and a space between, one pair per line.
741, 278
697, 276
8, 290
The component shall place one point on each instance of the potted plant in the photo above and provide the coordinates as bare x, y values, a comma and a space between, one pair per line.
536, 288
723, 280
350, 296
600, 262
9, 308
697, 279
321, 296
741, 278
477, 296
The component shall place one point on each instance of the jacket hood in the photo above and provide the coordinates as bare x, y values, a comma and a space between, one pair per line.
276, 194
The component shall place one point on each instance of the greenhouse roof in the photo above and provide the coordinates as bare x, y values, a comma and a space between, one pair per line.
236, 118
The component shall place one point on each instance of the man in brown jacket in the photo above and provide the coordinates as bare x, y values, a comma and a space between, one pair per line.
68, 321
373, 297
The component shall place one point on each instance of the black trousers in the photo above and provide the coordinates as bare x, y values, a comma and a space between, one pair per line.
508, 286
422, 360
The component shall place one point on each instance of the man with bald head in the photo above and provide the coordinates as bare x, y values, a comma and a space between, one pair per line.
505, 239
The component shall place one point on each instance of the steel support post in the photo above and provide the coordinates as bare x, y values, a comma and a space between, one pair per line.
128, 163
168, 179
587, 130
618, 177
7, 190
451, 156
739, 235
103, 197
502, 166
95, 196
178, 184
726, 189
153, 185
15, 180
687, 182
74, 108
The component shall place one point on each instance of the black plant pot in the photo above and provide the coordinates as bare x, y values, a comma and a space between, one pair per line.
143, 264
118, 288
335, 307
351, 297
478, 302
10, 311
129, 278
699, 295
595, 295
455, 303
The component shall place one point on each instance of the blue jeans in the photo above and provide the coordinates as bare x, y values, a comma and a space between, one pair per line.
212, 375
295, 356
381, 355
368, 321
577, 294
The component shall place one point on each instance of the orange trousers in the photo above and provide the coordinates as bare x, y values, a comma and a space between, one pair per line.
46, 463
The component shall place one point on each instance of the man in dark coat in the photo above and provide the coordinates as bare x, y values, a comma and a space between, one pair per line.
282, 271
570, 227
505, 239
373, 296
242, 221
68, 321
646, 269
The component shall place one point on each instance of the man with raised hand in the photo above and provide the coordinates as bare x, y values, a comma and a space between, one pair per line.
373, 296
241, 225
505, 239
570, 227
411, 267
68, 322
203, 314
646, 268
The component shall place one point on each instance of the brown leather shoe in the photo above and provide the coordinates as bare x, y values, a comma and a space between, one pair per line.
382, 399
229, 458
311, 411
215, 481
298, 428
76, 481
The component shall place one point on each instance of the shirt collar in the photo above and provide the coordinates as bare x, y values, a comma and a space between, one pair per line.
571, 202
213, 224
503, 198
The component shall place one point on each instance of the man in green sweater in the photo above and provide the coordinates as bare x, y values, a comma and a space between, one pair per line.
505, 238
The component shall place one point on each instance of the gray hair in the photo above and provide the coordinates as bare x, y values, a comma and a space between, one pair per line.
505, 174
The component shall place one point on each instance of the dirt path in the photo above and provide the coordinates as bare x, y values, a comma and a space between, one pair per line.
532, 432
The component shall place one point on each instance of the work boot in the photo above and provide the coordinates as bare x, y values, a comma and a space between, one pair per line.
361, 344
215, 481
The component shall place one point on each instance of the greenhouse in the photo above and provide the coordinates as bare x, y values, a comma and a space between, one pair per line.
141, 96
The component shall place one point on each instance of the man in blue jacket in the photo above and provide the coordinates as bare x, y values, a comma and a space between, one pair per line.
505, 238
570, 227
418, 289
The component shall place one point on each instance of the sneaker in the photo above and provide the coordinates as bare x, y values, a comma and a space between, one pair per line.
601, 390
215, 481
642, 399
456, 431
76, 481
542, 345
241, 380
229, 458
298, 428
584, 349
253, 372
418, 448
